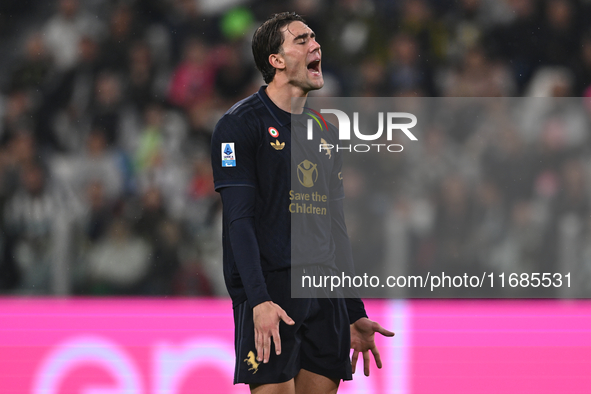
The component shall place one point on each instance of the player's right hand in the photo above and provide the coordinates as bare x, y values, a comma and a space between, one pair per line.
267, 316
363, 341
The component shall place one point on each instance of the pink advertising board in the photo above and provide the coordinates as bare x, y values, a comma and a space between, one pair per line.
182, 346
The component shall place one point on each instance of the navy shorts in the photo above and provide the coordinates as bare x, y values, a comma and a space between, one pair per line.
319, 341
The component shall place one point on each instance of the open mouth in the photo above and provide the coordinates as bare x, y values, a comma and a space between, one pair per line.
314, 66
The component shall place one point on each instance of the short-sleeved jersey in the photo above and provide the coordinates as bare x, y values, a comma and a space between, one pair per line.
253, 146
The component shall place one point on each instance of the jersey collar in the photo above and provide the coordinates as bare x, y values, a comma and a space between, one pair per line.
282, 117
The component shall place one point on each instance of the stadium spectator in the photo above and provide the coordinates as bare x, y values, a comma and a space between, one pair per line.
560, 33
522, 248
124, 29
157, 229
582, 67
65, 29
165, 267
35, 218
119, 262
106, 112
19, 115
19, 151
418, 20
144, 81
194, 78
489, 223
151, 215
478, 77
67, 103
453, 227
99, 212
509, 164
438, 158
97, 163
200, 117
567, 222
186, 20
33, 70
158, 156
234, 76
407, 73
372, 74
518, 42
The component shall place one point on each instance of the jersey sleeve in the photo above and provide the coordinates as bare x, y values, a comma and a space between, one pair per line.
238, 205
233, 150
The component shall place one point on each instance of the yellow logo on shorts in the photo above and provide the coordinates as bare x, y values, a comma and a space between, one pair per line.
252, 362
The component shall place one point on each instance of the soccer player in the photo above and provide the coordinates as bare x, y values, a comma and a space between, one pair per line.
284, 344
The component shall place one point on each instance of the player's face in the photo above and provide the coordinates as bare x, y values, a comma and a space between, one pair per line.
302, 57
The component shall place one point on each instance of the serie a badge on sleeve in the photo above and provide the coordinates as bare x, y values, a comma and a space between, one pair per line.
228, 154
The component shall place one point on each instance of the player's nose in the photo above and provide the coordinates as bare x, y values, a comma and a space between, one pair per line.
315, 46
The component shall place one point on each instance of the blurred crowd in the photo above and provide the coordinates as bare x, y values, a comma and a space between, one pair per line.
493, 185
107, 108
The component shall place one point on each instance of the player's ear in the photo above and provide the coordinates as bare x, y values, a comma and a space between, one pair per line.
277, 61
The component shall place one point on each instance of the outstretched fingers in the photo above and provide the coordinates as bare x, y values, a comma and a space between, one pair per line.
267, 318
363, 340
354, 360
366, 362
376, 356
276, 338
266, 347
263, 344
277, 342
381, 330
258, 341
286, 319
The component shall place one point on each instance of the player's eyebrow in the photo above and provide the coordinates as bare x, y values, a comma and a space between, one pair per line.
304, 35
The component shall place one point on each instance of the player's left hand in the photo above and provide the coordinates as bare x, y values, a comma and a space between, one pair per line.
363, 341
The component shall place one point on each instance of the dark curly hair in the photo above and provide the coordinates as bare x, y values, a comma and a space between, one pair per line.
267, 40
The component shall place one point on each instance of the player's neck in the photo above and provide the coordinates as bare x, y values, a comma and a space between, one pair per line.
281, 94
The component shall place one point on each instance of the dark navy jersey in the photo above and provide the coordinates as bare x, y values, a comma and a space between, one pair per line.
253, 147
316, 180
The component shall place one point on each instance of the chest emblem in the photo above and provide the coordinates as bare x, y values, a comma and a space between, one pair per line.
277, 145
324, 146
273, 131
307, 173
